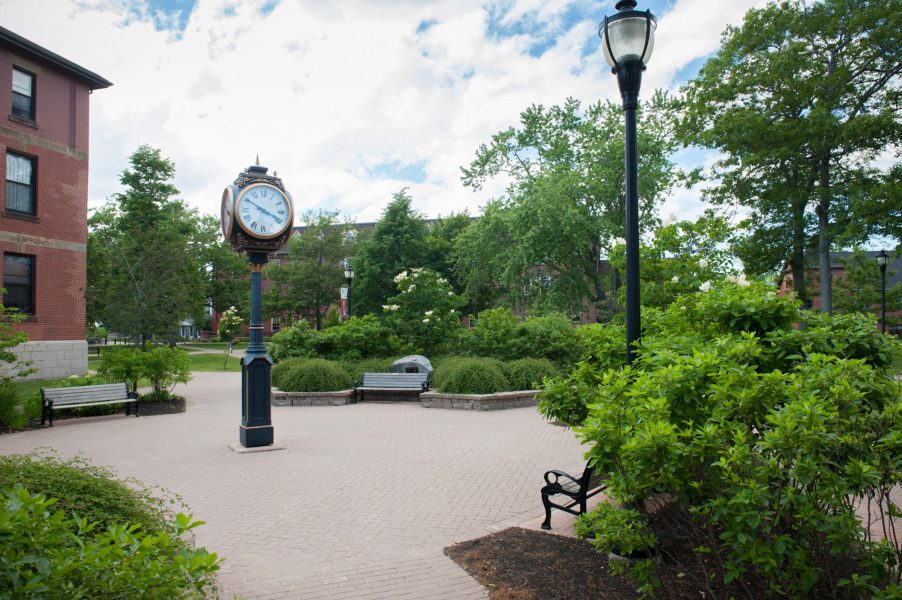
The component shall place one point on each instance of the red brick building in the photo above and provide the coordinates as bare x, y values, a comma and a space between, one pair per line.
44, 202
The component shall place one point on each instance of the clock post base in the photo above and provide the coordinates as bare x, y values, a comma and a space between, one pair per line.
251, 437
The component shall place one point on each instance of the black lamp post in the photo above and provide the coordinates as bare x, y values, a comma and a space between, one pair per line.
349, 275
628, 39
881, 262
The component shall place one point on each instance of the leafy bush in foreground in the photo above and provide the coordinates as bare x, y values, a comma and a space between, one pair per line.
766, 440
46, 554
89, 491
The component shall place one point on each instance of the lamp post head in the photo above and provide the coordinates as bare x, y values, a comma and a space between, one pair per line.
628, 36
881, 260
349, 274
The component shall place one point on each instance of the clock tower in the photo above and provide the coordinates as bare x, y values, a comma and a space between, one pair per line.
257, 219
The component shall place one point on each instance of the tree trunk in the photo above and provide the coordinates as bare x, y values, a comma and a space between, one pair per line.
797, 258
823, 236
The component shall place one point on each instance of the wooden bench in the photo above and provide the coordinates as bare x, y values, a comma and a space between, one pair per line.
391, 382
86, 395
578, 490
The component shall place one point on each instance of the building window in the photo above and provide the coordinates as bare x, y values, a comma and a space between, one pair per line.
18, 279
23, 94
20, 178
276, 324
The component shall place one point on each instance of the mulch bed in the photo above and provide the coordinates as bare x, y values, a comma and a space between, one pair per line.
522, 564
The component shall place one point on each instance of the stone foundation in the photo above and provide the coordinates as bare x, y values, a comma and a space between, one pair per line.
339, 398
53, 360
481, 402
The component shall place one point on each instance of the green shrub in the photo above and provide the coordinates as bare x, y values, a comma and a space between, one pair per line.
765, 439
89, 491
471, 376
47, 554
333, 318
164, 367
295, 341
552, 336
499, 334
315, 375
357, 338
281, 369
493, 334
528, 373
121, 365
12, 406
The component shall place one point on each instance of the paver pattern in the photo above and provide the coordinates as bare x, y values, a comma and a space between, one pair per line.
361, 502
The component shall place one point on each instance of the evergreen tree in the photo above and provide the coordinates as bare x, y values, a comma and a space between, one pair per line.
397, 244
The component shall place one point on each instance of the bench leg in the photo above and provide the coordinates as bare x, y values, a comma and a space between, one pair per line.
137, 402
547, 523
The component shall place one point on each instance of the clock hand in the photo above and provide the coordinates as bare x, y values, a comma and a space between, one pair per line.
263, 210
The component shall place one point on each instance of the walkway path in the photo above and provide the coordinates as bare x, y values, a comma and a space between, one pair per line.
361, 502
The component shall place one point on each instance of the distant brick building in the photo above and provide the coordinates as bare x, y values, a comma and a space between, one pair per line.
44, 202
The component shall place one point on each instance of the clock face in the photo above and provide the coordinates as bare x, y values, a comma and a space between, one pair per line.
228, 205
263, 210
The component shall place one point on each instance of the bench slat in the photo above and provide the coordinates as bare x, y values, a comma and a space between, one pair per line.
69, 405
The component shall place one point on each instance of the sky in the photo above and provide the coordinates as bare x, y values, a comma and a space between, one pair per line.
349, 101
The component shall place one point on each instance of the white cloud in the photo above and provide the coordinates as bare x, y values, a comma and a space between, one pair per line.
327, 92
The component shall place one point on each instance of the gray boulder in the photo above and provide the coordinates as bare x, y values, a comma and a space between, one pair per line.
412, 364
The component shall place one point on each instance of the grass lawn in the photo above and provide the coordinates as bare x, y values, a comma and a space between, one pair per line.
896, 367
215, 346
213, 362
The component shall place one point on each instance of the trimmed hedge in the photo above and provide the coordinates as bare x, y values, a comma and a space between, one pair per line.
313, 375
471, 376
528, 373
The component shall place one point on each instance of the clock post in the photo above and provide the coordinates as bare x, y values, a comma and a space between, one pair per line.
257, 216
256, 367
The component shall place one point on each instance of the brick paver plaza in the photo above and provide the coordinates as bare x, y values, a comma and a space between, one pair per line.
359, 504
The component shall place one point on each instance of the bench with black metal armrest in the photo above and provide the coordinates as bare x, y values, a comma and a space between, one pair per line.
577, 489
86, 395
391, 382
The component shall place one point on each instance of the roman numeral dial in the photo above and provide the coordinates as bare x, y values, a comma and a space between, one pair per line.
263, 210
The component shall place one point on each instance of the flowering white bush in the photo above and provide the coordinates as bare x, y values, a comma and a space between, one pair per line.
423, 314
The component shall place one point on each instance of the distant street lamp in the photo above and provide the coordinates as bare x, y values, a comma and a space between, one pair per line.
881, 262
628, 39
349, 275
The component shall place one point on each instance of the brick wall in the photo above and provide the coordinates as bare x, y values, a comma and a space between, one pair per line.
57, 236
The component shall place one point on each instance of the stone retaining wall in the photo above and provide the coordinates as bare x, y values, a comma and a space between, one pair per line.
480, 402
52, 359
339, 398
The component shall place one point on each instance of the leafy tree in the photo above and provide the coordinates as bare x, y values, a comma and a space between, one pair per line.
396, 244
426, 311
564, 206
801, 98
860, 289
226, 274
144, 274
310, 279
439, 253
